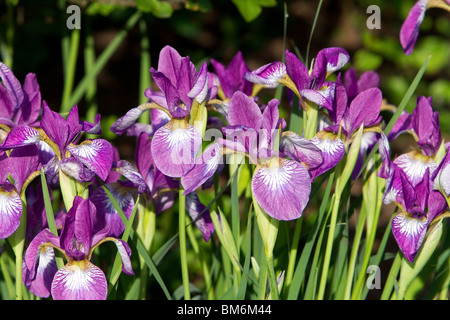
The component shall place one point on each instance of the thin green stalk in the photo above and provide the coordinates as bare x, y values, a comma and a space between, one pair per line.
9, 282
84, 84
182, 238
17, 240
293, 253
316, 17
354, 253
69, 77
392, 276
144, 80
330, 240
272, 278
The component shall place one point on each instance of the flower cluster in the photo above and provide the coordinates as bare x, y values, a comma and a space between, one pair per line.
189, 106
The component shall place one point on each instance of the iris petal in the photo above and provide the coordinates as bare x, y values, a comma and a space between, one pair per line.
175, 147
10, 210
282, 188
96, 154
79, 281
409, 233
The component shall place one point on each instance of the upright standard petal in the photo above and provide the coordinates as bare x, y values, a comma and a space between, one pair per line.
410, 28
175, 147
12, 85
243, 111
79, 280
282, 188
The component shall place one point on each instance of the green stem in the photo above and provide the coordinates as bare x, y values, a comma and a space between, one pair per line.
395, 268
293, 253
329, 246
17, 240
272, 278
69, 77
354, 253
145, 78
183, 250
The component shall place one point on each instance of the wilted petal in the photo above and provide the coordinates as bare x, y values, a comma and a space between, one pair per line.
282, 188
79, 280
268, 75
126, 169
409, 233
200, 215
205, 166
10, 210
96, 154
410, 28
175, 147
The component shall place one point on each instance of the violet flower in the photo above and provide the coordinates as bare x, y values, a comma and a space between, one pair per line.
280, 185
80, 160
409, 31
79, 279
23, 165
19, 105
175, 144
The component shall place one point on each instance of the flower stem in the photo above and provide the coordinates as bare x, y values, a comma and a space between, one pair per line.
183, 251
272, 278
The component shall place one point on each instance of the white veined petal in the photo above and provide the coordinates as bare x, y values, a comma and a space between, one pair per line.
10, 211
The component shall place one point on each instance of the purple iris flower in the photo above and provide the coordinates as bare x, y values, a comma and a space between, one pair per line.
79, 279
22, 164
409, 31
176, 143
306, 84
281, 183
80, 160
414, 181
18, 105
231, 77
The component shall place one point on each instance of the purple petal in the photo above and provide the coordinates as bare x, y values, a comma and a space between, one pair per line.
301, 149
410, 28
79, 280
84, 224
324, 98
33, 250
95, 154
56, 127
336, 58
200, 215
122, 124
200, 85
441, 176
365, 108
105, 207
175, 147
21, 136
169, 63
409, 232
31, 105
244, 111
21, 163
282, 188
125, 253
11, 210
76, 169
333, 149
12, 85
297, 71
40, 283
205, 166
268, 75
414, 165
402, 125
385, 151
126, 169
425, 123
